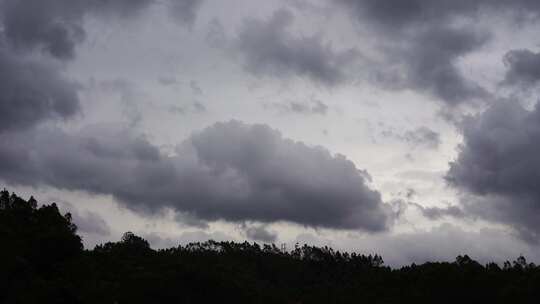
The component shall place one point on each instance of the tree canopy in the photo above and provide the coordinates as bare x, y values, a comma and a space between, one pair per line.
43, 261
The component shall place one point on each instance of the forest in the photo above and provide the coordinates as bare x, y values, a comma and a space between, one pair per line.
42, 260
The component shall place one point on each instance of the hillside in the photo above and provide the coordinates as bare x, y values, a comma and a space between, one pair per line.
43, 261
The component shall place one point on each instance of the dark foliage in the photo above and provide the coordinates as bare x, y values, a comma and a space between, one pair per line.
43, 261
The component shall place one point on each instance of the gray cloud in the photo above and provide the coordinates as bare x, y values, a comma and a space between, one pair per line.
195, 88
188, 220
90, 222
193, 108
523, 67
260, 233
184, 12
439, 243
395, 16
430, 62
435, 213
33, 92
423, 136
424, 42
229, 171
167, 80
392, 15
298, 107
410, 193
268, 48
498, 165
33, 88
55, 26
309, 7
87, 222
446, 242
199, 107
215, 34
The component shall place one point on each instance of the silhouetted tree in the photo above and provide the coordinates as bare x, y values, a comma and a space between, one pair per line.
42, 261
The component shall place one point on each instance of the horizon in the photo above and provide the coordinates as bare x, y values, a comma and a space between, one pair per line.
404, 129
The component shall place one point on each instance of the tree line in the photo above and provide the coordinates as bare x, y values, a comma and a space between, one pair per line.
42, 260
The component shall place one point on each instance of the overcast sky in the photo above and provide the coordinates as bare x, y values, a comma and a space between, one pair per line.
404, 128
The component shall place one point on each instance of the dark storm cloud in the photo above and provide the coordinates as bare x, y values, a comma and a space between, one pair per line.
33, 89
395, 16
55, 26
523, 67
32, 92
268, 48
499, 153
229, 171
430, 62
423, 38
499, 165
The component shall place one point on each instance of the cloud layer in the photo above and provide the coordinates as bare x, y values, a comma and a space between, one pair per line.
498, 162
423, 41
32, 92
523, 67
268, 48
230, 171
55, 26
356, 53
33, 87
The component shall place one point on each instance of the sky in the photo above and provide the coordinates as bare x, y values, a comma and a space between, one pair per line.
404, 128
